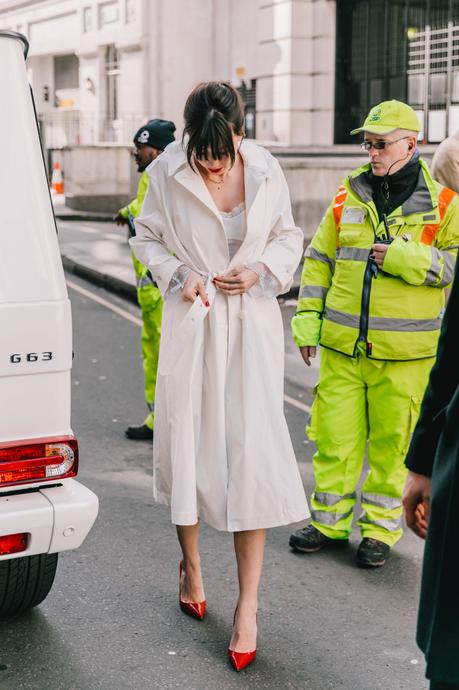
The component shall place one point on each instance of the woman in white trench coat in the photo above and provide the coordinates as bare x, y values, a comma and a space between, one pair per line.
217, 233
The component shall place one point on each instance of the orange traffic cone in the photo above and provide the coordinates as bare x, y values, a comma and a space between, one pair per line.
57, 182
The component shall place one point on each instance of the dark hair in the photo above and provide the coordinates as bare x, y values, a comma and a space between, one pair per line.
213, 113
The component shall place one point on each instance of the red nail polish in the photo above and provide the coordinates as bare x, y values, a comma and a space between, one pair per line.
207, 303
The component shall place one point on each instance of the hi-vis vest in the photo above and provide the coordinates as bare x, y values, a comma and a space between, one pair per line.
396, 312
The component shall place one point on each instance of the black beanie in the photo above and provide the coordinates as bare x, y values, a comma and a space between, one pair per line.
156, 133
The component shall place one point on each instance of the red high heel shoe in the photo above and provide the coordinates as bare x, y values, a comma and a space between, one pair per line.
195, 609
240, 660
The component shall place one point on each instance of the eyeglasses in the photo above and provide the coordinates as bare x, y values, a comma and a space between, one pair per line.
379, 144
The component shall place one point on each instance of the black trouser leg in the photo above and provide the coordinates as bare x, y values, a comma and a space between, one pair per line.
434, 685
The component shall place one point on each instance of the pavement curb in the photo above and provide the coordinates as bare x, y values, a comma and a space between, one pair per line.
121, 287
94, 217
109, 282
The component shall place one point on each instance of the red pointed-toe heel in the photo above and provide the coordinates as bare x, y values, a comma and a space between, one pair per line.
195, 609
240, 660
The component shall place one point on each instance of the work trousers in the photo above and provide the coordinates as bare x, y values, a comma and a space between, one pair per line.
151, 307
363, 406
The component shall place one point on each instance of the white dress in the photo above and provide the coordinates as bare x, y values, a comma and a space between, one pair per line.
222, 451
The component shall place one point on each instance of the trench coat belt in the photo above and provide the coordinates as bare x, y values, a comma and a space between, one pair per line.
186, 330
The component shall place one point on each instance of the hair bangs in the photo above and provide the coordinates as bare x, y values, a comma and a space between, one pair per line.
213, 139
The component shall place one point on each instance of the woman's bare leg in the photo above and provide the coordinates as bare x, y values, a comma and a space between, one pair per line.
191, 586
249, 547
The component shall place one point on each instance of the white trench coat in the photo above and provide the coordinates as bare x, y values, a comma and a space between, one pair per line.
222, 451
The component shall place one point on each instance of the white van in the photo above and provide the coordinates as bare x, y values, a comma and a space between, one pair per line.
43, 510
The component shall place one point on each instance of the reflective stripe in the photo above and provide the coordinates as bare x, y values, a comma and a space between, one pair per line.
143, 281
324, 518
379, 323
338, 205
312, 253
351, 320
352, 254
313, 291
448, 269
381, 501
444, 199
389, 525
327, 499
434, 271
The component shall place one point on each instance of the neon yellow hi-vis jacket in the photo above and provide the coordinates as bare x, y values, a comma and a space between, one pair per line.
396, 311
135, 206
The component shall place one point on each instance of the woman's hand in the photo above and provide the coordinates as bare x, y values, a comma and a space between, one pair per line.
194, 286
237, 281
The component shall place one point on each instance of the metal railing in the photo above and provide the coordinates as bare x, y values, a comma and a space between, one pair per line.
433, 78
61, 128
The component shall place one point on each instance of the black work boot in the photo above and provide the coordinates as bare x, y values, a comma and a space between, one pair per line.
139, 433
309, 539
372, 553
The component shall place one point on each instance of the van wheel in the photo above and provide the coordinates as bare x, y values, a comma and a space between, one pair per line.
25, 582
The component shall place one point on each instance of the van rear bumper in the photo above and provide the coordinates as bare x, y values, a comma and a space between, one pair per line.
57, 518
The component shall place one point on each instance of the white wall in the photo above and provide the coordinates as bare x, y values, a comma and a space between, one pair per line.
288, 46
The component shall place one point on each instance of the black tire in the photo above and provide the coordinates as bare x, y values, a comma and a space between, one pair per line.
25, 582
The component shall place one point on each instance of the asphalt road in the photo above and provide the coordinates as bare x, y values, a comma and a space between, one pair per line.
112, 620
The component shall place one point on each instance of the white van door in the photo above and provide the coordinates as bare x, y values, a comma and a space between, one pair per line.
35, 317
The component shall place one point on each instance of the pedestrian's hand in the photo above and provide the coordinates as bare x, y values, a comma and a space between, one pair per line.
378, 253
237, 281
308, 352
120, 220
416, 498
194, 286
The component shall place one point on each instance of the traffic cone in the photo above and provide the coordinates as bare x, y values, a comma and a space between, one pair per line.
57, 182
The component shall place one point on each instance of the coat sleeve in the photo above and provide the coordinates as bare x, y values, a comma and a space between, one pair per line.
283, 250
443, 383
149, 244
316, 279
418, 263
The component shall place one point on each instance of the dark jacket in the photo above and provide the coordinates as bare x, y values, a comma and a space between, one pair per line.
434, 451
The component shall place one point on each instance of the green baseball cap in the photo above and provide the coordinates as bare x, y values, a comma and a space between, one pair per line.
388, 116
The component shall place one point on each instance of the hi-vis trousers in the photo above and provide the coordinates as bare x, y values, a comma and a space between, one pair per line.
363, 405
151, 306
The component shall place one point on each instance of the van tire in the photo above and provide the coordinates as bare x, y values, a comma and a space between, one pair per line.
25, 582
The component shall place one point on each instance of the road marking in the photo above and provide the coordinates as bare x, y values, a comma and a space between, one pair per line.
138, 322
296, 403
105, 303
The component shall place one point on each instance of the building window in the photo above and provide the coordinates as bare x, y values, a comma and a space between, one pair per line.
408, 57
87, 19
66, 80
112, 71
108, 13
131, 13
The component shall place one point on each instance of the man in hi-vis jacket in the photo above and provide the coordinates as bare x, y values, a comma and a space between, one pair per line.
149, 141
372, 295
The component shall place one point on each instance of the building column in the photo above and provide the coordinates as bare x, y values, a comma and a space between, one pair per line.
296, 72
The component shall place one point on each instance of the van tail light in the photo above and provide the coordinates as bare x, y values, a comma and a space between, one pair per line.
38, 461
14, 543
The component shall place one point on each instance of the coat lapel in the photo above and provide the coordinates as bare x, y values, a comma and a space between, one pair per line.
256, 172
191, 180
